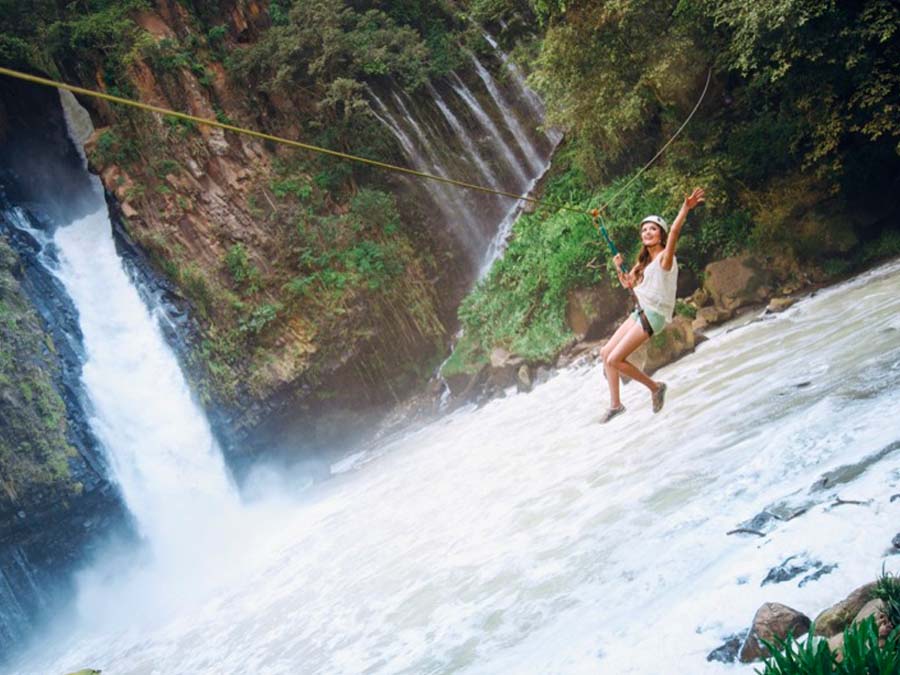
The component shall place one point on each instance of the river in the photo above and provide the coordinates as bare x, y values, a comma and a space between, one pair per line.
524, 537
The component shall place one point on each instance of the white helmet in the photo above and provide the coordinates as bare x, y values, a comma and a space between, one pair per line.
659, 221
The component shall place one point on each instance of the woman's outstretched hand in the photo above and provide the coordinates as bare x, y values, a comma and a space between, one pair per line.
698, 196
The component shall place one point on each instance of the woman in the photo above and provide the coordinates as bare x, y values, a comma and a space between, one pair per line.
654, 279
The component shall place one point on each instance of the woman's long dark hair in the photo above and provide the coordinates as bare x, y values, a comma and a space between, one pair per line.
644, 258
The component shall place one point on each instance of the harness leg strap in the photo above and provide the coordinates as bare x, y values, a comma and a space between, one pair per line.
645, 322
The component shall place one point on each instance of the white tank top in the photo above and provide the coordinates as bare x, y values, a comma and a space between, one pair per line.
658, 287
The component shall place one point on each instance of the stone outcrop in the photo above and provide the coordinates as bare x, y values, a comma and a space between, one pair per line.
673, 342
741, 281
735, 282
836, 618
728, 651
593, 312
772, 620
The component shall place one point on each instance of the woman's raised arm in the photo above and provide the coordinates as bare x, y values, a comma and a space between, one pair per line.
690, 201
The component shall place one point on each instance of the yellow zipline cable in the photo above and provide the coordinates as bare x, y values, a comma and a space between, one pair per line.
594, 213
276, 139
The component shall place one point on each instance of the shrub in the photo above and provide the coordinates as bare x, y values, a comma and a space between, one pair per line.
260, 318
242, 271
888, 591
862, 654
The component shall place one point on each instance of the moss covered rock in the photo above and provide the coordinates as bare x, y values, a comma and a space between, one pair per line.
34, 450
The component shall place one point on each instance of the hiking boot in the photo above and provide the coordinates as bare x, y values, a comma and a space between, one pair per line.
610, 413
659, 397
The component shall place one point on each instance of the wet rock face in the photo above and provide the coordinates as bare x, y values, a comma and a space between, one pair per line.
669, 344
837, 617
738, 281
56, 502
772, 620
793, 567
593, 312
728, 651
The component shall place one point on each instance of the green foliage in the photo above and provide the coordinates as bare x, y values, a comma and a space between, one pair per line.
887, 589
296, 187
467, 358
862, 654
686, 310
260, 318
243, 273
115, 147
198, 288
215, 36
886, 245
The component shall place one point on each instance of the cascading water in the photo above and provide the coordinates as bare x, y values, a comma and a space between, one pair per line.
452, 208
523, 537
156, 440
160, 446
506, 152
463, 136
533, 100
531, 152
484, 220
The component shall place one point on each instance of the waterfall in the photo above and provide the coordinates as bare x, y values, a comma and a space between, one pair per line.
451, 152
463, 135
509, 116
533, 100
452, 208
469, 99
78, 121
161, 449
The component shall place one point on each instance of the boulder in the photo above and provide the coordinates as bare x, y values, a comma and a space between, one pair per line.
738, 281
770, 621
499, 357
837, 617
779, 304
699, 298
675, 340
873, 608
594, 311
523, 378
727, 652
836, 645
710, 316
791, 567
504, 370
461, 384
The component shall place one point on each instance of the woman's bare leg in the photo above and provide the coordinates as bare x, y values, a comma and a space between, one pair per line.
612, 375
617, 358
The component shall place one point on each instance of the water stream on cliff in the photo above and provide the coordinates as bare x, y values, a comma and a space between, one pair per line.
501, 146
524, 537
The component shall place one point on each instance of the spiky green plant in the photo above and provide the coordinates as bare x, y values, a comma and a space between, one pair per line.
862, 653
788, 656
887, 589
864, 656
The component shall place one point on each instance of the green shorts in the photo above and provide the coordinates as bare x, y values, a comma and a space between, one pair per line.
657, 321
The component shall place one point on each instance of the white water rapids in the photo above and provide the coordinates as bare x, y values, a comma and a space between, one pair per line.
523, 537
